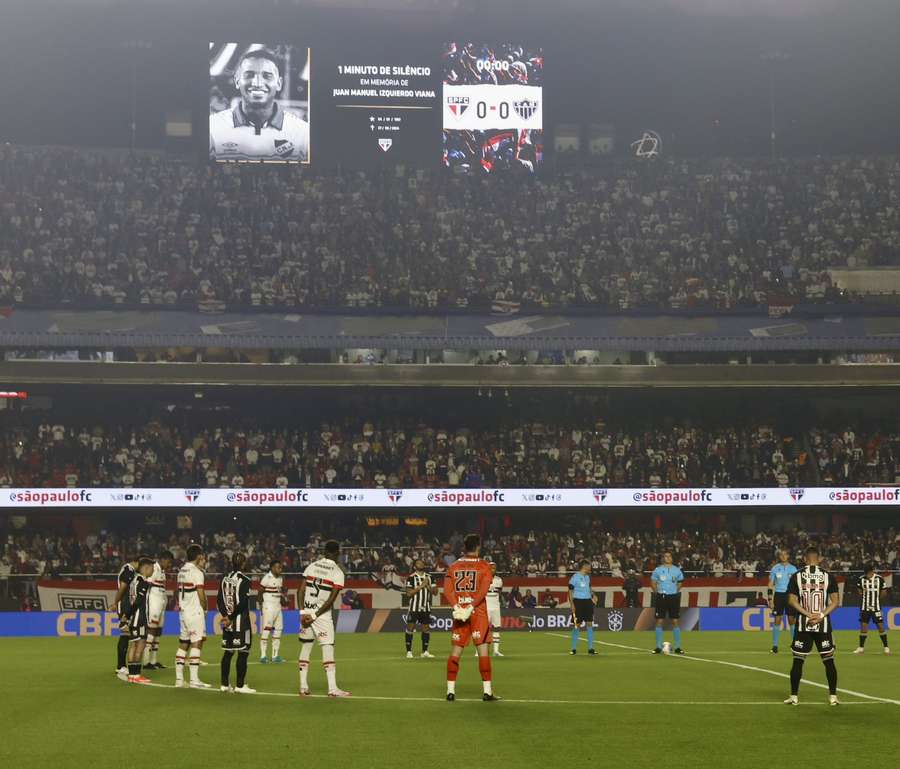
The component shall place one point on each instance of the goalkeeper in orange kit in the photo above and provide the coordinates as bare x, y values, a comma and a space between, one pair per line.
465, 588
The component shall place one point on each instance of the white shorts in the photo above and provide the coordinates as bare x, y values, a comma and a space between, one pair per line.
494, 617
193, 627
272, 619
156, 607
321, 630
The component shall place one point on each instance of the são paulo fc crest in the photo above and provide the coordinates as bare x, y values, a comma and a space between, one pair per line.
458, 104
385, 144
600, 495
616, 621
525, 108
192, 495
797, 494
394, 496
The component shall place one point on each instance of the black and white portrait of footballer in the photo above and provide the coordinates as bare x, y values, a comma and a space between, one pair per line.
259, 103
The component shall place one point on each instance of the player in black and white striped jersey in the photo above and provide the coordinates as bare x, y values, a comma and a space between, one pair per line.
871, 592
126, 574
420, 591
813, 594
233, 602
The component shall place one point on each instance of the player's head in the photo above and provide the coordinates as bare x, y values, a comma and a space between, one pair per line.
145, 566
332, 549
165, 560
667, 557
258, 78
493, 568
276, 567
783, 555
237, 561
584, 566
419, 565
472, 544
870, 569
812, 556
195, 553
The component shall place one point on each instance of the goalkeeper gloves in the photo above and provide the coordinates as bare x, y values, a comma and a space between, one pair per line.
462, 613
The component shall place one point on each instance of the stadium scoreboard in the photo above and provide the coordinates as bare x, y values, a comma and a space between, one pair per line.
475, 106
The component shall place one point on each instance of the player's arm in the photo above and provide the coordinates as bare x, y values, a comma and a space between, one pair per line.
120, 594
201, 596
301, 594
450, 588
833, 597
243, 606
771, 593
220, 603
482, 586
326, 607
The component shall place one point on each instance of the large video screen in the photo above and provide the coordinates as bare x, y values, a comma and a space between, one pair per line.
492, 107
383, 105
476, 107
259, 103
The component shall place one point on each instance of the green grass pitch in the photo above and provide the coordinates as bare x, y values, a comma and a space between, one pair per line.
63, 707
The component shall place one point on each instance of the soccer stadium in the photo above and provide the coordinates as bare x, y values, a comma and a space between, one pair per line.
386, 382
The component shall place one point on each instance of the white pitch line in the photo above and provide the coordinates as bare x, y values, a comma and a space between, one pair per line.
738, 665
711, 703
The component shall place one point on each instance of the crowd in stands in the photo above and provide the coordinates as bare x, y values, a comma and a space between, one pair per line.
98, 229
407, 452
385, 555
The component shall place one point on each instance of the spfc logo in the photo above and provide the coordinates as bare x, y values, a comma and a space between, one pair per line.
192, 495
394, 495
458, 104
600, 494
616, 621
797, 494
526, 108
385, 144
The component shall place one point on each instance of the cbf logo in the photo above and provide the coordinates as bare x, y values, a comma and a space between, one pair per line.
458, 104
616, 621
797, 494
600, 495
192, 495
525, 108
394, 495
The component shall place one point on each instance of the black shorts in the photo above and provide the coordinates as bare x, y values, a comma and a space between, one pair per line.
668, 606
804, 642
137, 626
237, 637
583, 609
780, 606
865, 617
418, 618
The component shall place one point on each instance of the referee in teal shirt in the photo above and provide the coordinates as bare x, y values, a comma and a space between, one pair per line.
667, 579
582, 601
